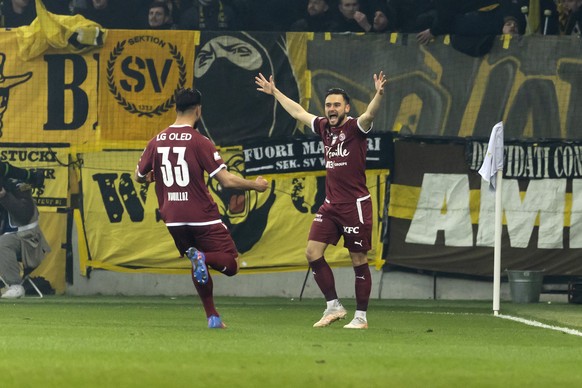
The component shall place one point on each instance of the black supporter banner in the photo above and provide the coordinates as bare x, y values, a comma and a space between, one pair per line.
533, 160
307, 155
442, 213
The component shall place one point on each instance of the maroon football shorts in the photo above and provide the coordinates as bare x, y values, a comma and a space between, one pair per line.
353, 221
208, 238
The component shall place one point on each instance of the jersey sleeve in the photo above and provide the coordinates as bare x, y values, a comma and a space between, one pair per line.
317, 125
146, 161
364, 131
210, 158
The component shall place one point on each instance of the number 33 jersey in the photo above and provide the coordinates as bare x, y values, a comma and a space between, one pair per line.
179, 157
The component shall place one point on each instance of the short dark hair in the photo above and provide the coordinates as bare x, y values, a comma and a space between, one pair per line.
160, 4
338, 91
187, 98
510, 18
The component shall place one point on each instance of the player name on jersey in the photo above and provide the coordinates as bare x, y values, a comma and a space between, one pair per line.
178, 196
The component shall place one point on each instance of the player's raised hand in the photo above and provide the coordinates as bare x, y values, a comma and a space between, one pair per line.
262, 184
264, 85
379, 82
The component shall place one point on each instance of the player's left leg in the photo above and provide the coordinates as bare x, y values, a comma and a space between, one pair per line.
204, 246
220, 254
205, 292
357, 231
363, 285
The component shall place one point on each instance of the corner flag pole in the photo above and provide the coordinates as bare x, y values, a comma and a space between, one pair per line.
497, 246
492, 172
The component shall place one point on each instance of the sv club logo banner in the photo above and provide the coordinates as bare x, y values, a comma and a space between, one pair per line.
142, 72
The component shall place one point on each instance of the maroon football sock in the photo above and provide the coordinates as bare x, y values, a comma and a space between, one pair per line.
324, 278
222, 262
206, 295
363, 286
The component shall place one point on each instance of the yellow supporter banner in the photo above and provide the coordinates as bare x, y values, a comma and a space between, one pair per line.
47, 99
270, 229
140, 72
52, 268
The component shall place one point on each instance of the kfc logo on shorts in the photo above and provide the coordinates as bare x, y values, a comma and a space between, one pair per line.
318, 218
351, 229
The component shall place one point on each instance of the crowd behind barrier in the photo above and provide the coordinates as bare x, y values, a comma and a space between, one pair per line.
427, 18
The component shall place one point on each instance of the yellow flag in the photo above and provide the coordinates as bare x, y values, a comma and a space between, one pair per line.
50, 30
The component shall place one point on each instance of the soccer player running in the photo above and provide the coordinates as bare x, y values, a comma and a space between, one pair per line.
177, 159
347, 209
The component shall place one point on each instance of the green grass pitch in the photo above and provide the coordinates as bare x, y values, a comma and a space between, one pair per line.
64, 341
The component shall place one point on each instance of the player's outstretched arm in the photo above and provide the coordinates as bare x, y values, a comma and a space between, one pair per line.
293, 108
365, 120
231, 181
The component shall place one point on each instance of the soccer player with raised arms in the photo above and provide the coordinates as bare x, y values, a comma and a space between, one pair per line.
347, 209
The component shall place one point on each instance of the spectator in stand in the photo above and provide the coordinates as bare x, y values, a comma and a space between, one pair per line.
574, 21
547, 24
143, 9
213, 15
159, 17
464, 18
562, 15
18, 13
510, 26
113, 14
351, 18
383, 19
319, 18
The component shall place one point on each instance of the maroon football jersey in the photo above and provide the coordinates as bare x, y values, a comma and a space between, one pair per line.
345, 150
179, 156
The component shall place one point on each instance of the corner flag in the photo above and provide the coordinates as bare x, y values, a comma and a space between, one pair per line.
492, 172
493, 160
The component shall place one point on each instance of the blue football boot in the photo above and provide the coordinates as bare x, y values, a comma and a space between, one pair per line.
199, 269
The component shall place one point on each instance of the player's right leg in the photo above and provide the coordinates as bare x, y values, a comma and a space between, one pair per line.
324, 232
324, 278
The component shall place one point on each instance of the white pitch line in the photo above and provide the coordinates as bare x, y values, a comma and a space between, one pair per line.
528, 322
541, 325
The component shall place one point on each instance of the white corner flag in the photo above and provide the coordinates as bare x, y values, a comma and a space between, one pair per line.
492, 172
493, 160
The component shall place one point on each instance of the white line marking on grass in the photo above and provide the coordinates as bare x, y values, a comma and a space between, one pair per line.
528, 322
541, 325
